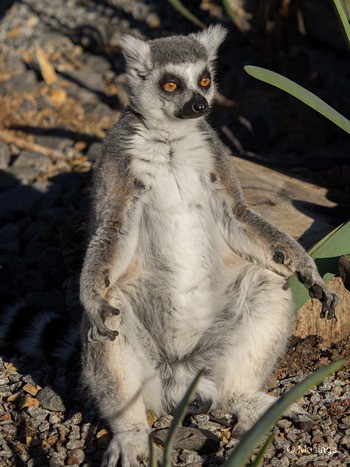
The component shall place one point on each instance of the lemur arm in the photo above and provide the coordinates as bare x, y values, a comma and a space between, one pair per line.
112, 244
253, 236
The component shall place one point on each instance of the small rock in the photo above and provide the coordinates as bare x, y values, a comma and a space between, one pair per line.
28, 401
31, 389
21, 83
75, 443
163, 422
56, 139
192, 439
50, 400
31, 158
345, 441
57, 460
44, 427
285, 424
75, 457
190, 458
94, 152
37, 413
5, 155
317, 439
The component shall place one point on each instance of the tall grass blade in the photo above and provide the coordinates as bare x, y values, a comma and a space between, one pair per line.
186, 13
343, 19
232, 14
255, 435
287, 85
152, 453
261, 454
178, 418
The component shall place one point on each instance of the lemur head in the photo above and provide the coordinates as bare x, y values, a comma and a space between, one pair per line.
172, 77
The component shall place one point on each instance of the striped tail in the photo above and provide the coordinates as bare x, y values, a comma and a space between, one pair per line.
47, 335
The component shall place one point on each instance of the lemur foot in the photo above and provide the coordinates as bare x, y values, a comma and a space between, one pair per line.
99, 331
318, 290
127, 448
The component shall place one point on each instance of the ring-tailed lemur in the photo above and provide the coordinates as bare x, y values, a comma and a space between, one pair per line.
180, 274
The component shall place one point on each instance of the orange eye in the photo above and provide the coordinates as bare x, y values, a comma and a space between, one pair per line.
170, 86
204, 82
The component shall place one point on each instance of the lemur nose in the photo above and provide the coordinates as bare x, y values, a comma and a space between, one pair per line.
200, 105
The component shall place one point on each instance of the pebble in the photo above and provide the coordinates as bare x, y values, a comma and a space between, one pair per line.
21, 83
32, 159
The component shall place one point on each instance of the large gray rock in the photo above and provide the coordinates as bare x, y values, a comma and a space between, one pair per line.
192, 439
50, 400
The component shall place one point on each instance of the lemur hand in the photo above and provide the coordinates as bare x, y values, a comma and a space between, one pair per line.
96, 307
317, 289
99, 331
308, 275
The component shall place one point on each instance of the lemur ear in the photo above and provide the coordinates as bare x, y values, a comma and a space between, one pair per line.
137, 54
211, 38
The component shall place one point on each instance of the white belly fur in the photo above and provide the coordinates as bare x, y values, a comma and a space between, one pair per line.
185, 232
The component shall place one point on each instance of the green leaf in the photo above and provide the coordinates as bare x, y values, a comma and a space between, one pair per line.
326, 254
256, 434
178, 419
186, 13
287, 85
260, 456
343, 19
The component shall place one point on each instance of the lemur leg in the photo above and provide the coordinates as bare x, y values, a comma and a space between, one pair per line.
261, 313
117, 374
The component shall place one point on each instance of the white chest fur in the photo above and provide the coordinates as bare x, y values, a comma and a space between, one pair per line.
180, 216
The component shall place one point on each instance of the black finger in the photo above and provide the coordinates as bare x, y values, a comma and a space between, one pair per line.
324, 310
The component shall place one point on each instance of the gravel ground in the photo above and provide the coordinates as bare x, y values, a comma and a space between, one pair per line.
50, 139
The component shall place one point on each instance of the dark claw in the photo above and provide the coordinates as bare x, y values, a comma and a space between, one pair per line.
278, 257
97, 335
99, 331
